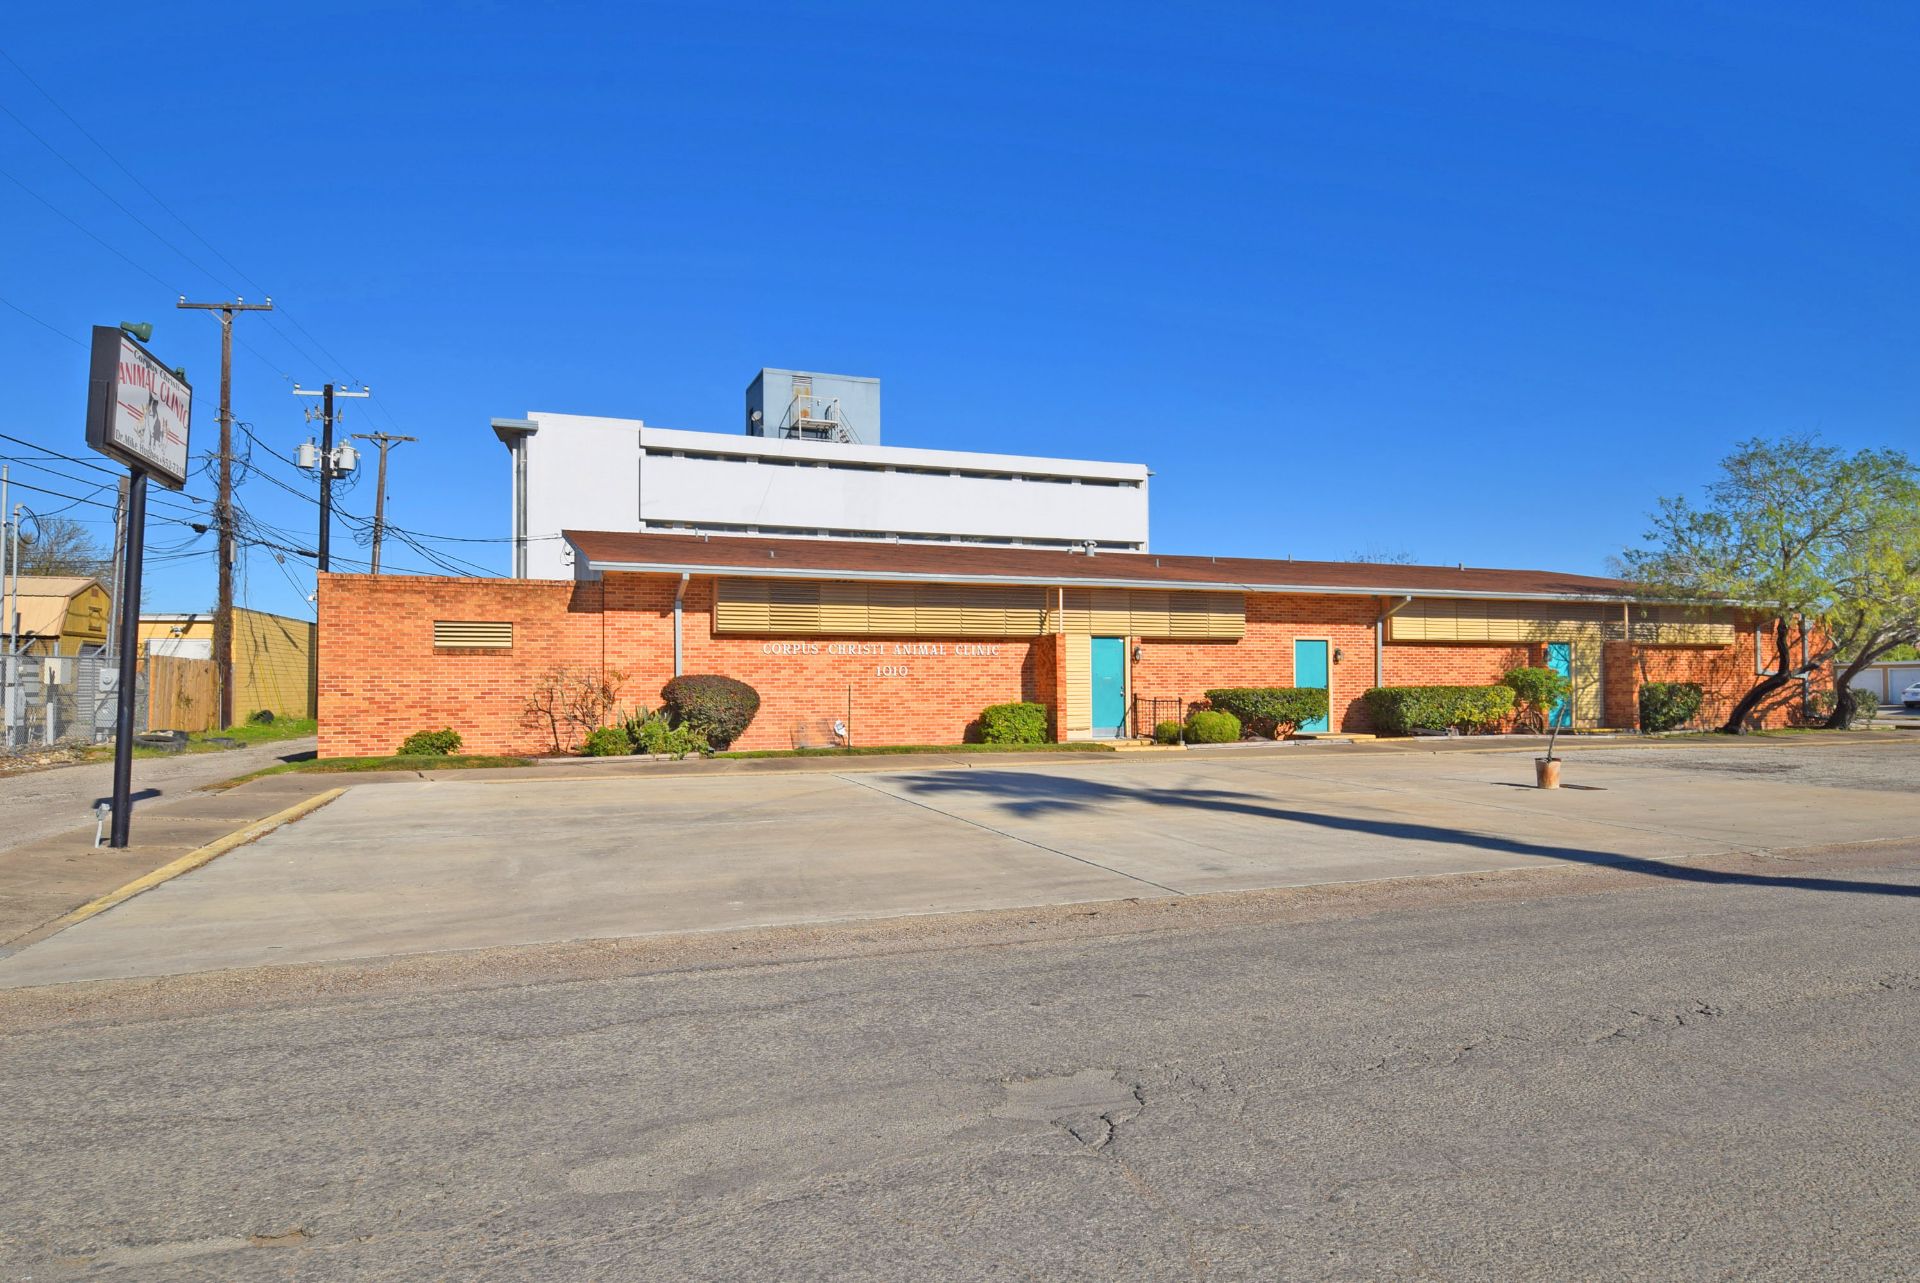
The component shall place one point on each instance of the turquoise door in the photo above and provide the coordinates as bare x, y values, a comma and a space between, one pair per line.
1310, 671
1109, 685
1560, 660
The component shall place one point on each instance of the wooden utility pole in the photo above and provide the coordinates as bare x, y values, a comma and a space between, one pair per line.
327, 460
223, 503
386, 441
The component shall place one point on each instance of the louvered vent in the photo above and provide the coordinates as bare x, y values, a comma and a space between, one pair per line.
469, 634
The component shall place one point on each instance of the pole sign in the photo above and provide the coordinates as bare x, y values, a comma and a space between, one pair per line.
137, 408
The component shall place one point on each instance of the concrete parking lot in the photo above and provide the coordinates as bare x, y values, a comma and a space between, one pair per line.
445, 864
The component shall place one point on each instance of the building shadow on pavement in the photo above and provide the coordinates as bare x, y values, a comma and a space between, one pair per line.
1035, 795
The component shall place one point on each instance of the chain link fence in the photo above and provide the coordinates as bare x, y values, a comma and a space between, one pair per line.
52, 700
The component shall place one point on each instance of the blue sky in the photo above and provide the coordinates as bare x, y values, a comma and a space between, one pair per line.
1470, 282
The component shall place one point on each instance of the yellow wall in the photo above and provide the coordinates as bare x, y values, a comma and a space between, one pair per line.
1079, 679
272, 659
86, 623
149, 629
272, 664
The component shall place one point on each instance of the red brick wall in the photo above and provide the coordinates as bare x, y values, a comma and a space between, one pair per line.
381, 679
895, 697
1264, 657
1726, 673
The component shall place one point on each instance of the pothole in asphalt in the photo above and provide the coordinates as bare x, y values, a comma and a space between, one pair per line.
1087, 1105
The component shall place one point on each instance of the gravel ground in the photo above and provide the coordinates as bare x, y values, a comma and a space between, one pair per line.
1874, 763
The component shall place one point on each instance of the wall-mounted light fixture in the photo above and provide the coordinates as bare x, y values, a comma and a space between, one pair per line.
1138, 651
1336, 654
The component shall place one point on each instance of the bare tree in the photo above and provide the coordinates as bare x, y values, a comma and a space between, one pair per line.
1383, 557
573, 700
60, 546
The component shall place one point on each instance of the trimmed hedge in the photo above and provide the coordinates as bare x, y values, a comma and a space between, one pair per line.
430, 744
1166, 733
1402, 710
1204, 726
1273, 711
1666, 706
719, 708
1022, 723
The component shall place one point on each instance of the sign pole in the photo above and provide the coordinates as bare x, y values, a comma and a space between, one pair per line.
129, 645
138, 412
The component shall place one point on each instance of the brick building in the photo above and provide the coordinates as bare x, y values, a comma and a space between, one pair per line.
872, 642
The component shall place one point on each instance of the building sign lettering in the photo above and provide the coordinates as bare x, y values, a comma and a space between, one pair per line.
888, 651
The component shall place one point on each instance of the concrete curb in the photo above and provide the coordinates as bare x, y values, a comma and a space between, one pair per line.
185, 864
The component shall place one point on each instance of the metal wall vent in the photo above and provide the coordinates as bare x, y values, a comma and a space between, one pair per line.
466, 634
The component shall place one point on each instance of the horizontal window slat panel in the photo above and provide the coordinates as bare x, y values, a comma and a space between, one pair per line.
472, 634
830, 607
1451, 620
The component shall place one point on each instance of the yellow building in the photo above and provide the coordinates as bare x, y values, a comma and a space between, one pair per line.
272, 656
60, 614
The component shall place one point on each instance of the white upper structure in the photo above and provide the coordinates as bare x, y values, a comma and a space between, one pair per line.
576, 472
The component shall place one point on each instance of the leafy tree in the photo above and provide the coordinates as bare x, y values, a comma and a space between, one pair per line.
60, 546
1535, 692
1879, 611
1810, 533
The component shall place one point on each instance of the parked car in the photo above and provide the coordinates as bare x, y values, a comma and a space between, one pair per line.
1910, 697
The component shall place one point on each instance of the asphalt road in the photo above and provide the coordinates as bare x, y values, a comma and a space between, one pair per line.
38, 804
1556, 1074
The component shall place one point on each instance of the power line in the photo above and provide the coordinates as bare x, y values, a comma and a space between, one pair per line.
164, 240
170, 211
128, 259
171, 500
79, 499
89, 481
102, 148
46, 325
89, 180
56, 454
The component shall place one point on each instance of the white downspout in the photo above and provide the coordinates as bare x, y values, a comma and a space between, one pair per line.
679, 596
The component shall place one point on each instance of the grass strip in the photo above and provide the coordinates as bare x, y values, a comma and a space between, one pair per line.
394, 762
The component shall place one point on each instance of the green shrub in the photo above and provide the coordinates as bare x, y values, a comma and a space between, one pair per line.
1535, 692
1205, 726
608, 741
1402, 710
1166, 733
654, 734
1665, 706
1013, 724
1819, 707
719, 708
430, 744
1274, 711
